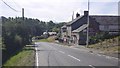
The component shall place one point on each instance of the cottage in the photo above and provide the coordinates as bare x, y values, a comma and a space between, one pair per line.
76, 30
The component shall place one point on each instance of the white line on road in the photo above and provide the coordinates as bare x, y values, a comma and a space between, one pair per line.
36, 57
114, 58
98, 54
91, 53
103, 55
74, 57
108, 57
92, 66
62, 52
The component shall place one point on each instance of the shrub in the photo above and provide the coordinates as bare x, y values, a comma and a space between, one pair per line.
18, 40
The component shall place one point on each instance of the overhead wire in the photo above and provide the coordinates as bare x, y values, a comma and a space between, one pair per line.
16, 4
10, 6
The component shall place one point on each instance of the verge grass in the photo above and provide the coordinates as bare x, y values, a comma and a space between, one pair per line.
24, 58
49, 39
108, 46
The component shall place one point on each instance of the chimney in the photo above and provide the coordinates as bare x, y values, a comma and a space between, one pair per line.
77, 15
85, 13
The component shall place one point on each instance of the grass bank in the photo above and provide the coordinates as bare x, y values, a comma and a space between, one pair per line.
24, 58
108, 46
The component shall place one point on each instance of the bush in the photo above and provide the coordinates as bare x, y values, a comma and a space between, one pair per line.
18, 41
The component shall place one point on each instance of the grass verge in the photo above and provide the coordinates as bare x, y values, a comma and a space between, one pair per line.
49, 39
24, 58
108, 46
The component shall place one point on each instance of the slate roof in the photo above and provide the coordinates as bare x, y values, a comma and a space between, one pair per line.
102, 20
80, 28
64, 26
106, 20
74, 20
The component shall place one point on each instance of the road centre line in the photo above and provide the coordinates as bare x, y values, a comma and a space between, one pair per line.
98, 54
108, 57
62, 52
74, 57
114, 58
91, 53
103, 55
92, 66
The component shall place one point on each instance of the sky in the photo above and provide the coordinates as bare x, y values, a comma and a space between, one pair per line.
57, 10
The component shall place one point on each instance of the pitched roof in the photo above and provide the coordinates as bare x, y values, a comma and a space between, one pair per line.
81, 28
71, 22
106, 20
64, 26
101, 19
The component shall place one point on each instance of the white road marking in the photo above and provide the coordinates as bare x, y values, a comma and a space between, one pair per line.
92, 66
91, 53
103, 55
108, 57
36, 57
98, 54
114, 58
74, 57
62, 52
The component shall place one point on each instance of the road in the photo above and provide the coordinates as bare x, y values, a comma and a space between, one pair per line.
51, 54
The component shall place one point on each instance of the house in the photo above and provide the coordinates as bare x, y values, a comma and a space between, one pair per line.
64, 33
76, 30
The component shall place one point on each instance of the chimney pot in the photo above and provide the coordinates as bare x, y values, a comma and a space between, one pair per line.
77, 15
85, 13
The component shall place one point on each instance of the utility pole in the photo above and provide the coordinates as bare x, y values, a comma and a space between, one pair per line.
23, 13
87, 41
46, 30
73, 15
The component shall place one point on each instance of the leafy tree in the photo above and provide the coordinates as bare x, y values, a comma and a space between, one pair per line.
16, 33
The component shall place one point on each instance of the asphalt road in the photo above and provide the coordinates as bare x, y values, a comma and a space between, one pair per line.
51, 54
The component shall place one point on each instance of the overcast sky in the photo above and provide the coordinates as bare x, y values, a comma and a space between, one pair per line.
57, 10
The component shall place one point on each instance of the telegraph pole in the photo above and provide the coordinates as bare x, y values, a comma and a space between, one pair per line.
87, 41
23, 13
73, 16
